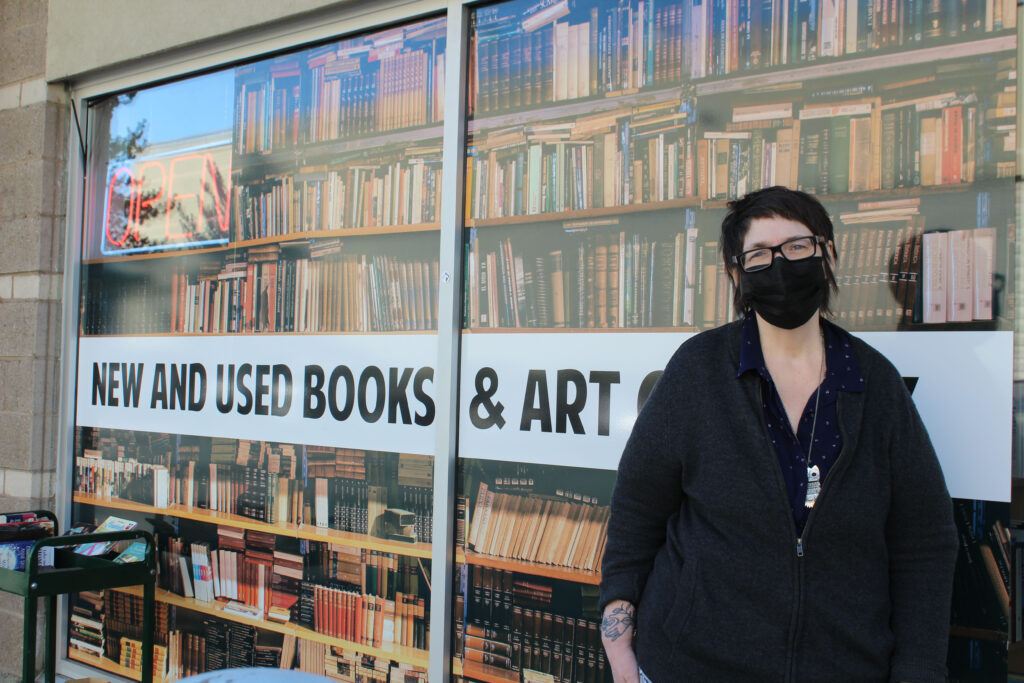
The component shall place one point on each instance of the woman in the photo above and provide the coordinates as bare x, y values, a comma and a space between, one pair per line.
779, 512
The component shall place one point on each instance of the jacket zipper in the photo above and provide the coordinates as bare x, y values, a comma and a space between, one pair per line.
798, 583
800, 548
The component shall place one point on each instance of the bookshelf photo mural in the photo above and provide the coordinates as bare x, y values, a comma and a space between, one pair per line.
604, 139
254, 239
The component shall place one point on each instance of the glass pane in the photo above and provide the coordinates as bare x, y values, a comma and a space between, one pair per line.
254, 240
604, 143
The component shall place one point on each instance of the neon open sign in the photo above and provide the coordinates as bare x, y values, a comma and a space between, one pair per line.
168, 201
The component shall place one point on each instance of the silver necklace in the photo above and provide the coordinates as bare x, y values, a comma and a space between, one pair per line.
813, 473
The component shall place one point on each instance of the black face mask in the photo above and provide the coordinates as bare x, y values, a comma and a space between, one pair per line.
788, 293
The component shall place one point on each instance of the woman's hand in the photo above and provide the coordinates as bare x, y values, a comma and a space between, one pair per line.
617, 628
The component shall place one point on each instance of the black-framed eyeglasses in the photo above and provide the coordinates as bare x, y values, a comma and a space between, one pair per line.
795, 249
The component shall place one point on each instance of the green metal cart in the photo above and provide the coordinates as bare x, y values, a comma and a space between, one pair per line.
74, 573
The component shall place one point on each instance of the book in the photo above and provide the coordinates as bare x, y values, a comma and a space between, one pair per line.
111, 523
135, 552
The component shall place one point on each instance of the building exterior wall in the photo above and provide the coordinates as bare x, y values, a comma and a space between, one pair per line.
127, 30
32, 187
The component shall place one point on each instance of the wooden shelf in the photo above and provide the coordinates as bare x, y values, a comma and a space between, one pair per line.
310, 153
108, 665
584, 214
579, 107
533, 568
285, 239
305, 531
399, 653
483, 672
835, 68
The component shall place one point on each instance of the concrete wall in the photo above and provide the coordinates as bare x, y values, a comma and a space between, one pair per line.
32, 190
120, 31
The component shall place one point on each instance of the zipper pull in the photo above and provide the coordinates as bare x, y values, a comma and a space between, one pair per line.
800, 547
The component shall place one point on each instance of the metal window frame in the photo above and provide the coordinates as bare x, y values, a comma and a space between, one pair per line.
288, 35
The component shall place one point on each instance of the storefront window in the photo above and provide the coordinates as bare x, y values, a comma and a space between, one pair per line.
604, 143
257, 337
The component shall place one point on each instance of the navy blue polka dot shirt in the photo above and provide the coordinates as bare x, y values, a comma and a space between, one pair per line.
841, 374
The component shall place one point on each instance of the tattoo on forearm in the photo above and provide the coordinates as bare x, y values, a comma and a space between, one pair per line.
618, 622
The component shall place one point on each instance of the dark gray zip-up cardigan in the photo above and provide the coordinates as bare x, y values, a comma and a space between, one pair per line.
702, 539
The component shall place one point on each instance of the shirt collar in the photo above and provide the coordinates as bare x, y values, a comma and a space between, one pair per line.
843, 371
751, 355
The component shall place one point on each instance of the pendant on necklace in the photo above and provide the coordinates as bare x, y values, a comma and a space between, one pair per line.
813, 486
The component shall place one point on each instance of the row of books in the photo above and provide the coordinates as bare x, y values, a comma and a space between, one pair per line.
364, 195
131, 657
85, 627
983, 582
743, 35
223, 645
186, 654
330, 462
251, 492
379, 82
370, 620
891, 272
264, 481
122, 618
861, 144
957, 275
343, 504
878, 270
500, 631
251, 576
526, 59
154, 448
624, 156
369, 572
132, 304
124, 478
598, 279
357, 507
544, 530
218, 645
343, 292
640, 156
348, 666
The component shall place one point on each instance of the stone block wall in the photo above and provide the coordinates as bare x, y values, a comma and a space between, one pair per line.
33, 137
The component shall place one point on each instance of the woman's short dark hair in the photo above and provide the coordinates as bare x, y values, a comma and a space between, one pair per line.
774, 202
